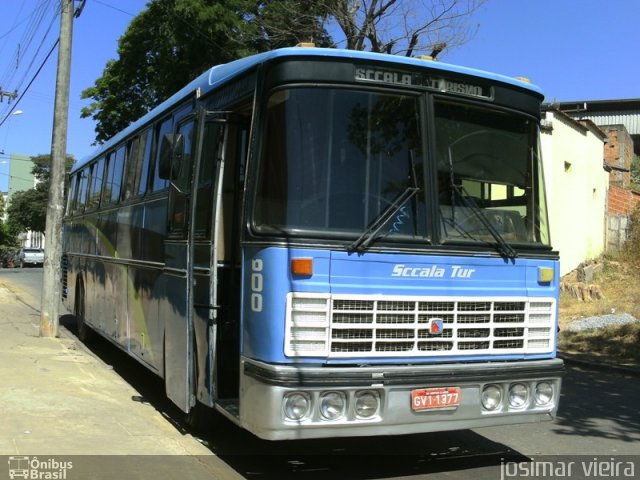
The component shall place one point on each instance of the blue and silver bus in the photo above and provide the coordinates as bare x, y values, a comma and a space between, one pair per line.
322, 243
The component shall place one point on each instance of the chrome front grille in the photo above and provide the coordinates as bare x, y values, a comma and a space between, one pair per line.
340, 326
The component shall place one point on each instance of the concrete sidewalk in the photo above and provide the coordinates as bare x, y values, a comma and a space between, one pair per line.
57, 398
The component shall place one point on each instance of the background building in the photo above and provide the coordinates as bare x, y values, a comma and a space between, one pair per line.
20, 179
577, 186
583, 223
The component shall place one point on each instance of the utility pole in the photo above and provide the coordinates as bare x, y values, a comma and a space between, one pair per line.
49, 311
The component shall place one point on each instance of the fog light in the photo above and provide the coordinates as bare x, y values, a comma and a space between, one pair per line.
332, 405
544, 393
491, 397
518, 395
296, 406
367, 404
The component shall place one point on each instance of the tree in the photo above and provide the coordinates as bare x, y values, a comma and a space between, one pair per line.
403, 27
42, 164
28, 209
173, 41
8, 241
284, 23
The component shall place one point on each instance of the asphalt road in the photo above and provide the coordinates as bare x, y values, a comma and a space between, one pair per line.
598, 420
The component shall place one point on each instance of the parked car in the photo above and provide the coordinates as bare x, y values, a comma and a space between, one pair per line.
30, 257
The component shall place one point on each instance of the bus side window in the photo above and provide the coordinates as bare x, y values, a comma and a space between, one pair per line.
73, 191
212, 145
97, 173
82, 190
181, 177
142, 178
112, 186
163, 129
132, 174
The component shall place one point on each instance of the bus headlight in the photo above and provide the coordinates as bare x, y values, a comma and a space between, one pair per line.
367, 404
296, 406
332, 405
491, 397
544, 393
518, 395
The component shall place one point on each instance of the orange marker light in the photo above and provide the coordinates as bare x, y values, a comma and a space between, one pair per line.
302, 267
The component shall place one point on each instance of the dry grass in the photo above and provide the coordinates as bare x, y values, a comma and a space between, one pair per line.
620, 284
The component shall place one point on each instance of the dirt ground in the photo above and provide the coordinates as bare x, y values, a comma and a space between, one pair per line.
613, 290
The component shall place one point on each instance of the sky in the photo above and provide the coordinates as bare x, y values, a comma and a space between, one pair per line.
571, 49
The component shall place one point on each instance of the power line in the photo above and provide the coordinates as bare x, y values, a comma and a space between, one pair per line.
114, 8
24, 43
32, 80
26, 72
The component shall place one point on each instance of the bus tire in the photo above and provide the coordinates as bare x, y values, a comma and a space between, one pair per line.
200, 418
85, 334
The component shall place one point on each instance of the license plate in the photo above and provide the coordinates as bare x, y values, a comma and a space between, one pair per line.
435, 398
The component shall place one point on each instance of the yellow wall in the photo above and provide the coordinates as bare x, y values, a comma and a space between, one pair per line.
576, 189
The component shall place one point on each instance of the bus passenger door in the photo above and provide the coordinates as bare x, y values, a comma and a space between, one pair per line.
206, 252
177, 164
216, 255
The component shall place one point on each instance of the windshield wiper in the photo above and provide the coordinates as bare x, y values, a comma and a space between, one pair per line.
502, 246
371, 232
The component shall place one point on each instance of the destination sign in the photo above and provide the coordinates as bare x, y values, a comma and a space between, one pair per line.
441, 84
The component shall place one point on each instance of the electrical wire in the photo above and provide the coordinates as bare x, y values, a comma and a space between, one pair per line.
36, 21
24, 44
15, 104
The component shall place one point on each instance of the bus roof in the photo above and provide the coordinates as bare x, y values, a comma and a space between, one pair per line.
220, 74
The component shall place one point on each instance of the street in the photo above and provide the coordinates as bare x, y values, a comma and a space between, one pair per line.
598, 418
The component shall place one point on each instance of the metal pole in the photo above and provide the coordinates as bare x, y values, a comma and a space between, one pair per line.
50, 307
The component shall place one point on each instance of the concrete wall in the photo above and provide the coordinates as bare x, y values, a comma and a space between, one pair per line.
622, 200
577, 185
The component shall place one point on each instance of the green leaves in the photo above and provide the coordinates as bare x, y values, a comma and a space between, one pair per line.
28, 209
174, 41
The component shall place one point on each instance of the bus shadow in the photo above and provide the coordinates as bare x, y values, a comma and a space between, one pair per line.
363, 458
337, 458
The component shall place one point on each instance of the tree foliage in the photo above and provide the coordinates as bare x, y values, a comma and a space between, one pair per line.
173, 41
28, 209
8, 240
42, 166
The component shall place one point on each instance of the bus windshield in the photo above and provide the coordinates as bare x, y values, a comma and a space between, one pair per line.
349, 164
336, 160
489, 176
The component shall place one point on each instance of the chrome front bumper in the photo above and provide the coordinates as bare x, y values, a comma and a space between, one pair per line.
263, 388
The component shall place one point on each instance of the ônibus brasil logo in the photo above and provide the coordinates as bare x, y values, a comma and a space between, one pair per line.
38, 469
